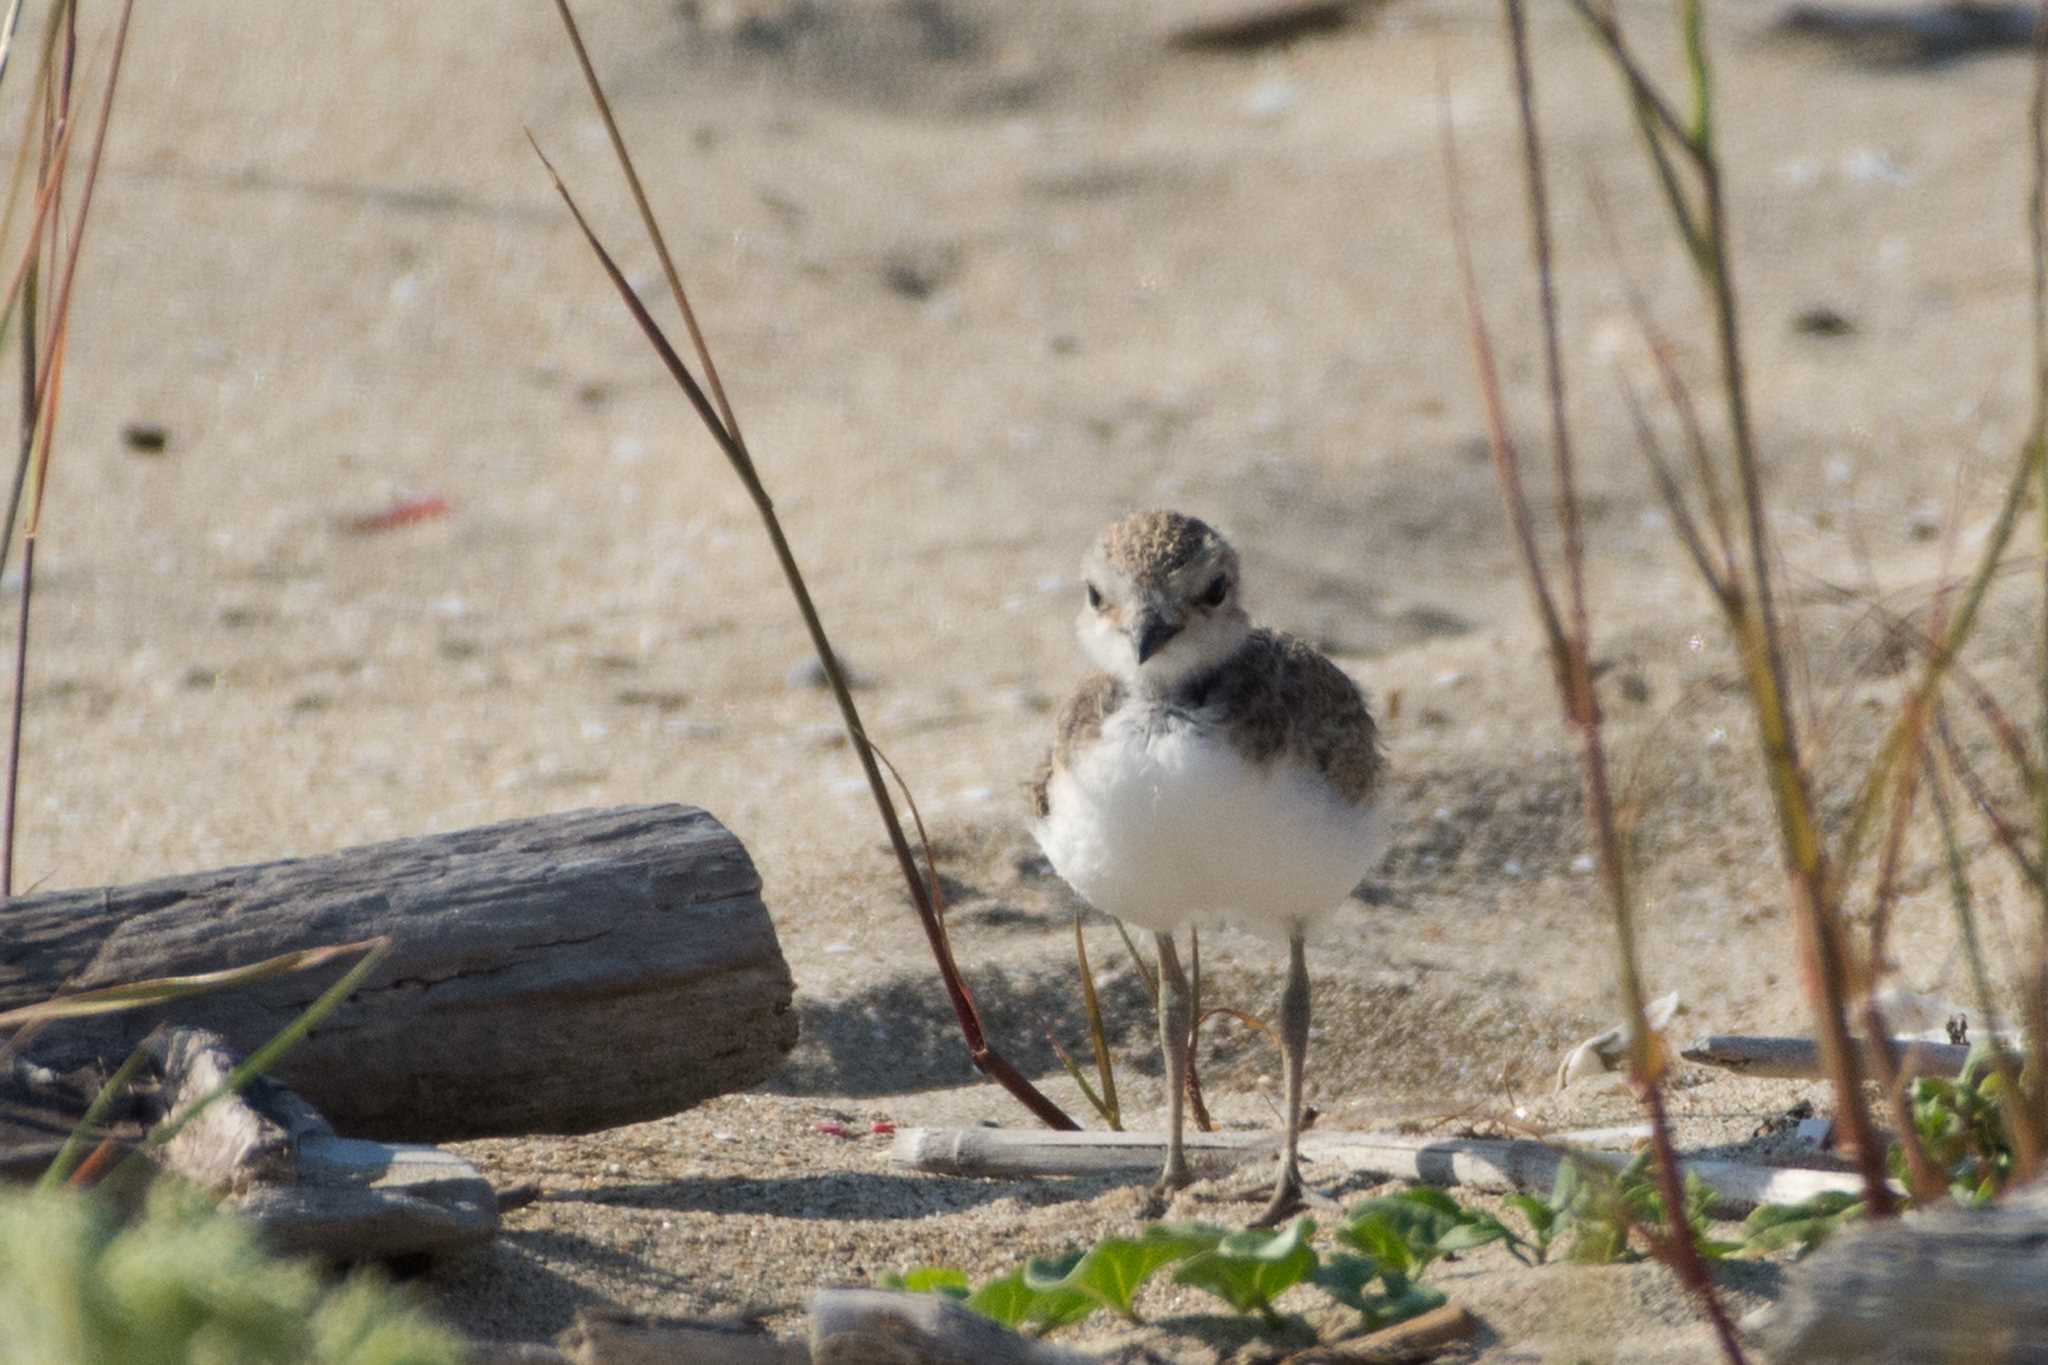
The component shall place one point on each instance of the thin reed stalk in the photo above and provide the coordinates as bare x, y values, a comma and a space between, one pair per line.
42, 384
716, 415
1568, 635
1746, 595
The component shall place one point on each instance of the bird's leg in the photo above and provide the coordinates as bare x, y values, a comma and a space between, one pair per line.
1173, 1042
1293, 1048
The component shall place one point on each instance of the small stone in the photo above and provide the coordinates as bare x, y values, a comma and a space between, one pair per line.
1822, 321
145, 438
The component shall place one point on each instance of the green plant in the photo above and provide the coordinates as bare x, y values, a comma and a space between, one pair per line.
1961, 1124
1111, 1272
1601, 1210
1404, 1232
1400, 1234
1773, 1227
1248, 1270
184, 1283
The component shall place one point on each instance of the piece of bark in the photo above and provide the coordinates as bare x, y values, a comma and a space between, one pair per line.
1419, 1338
603, 1338
523, 954
241, 1139
278, 1162
357, 1200
887, 1327
1799, 1058
1476, 1163
1948, 1284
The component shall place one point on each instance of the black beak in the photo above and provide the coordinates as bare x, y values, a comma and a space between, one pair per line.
1153, 633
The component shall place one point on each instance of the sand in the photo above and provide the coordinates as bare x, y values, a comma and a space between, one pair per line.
981, 278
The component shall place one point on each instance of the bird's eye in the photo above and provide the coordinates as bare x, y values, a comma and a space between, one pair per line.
1218, 589
1094, 598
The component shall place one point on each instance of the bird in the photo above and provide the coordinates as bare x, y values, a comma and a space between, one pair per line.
1208, 769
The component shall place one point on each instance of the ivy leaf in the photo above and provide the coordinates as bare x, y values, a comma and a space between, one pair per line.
1111, 1272
930, 1279
1248, 1270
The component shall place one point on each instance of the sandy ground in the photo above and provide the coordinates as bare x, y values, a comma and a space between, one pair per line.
982, 277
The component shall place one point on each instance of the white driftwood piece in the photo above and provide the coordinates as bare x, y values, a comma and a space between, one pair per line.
525, 955
1476, 1163
1799, 1058
883, 1327
1948, 1284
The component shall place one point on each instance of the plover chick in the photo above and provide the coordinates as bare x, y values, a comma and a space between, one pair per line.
1210, 769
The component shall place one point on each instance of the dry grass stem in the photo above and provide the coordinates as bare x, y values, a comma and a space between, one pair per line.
725, 433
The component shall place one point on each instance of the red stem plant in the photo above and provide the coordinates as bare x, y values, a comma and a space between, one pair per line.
717, 416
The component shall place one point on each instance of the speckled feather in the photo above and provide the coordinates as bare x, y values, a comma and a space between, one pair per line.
1275, 699
1149, 546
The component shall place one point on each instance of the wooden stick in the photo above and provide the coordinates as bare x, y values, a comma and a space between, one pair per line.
1474, 1163
1418, 1338
1799, 1058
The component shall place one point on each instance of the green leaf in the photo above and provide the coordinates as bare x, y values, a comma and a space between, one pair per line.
1248, 1270
1007, 1300
1376, 1235
1346, 1278
1542, 1221
1403, 1300
1111, 1272
1807, 1224
930, 1279
1054, 1307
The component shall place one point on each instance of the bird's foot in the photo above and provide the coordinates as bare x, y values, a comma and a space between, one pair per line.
1175, 1178
1286, 1200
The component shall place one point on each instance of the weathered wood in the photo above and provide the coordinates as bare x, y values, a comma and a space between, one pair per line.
1799, 1058
1419, 1338
356, 1200
1041, 1151
278, 1163
609, 1338
882, 1327
1476, 1163
525, 955
240, 1139
1948, 1284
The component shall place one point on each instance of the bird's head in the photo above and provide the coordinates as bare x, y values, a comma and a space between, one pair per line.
1160, 601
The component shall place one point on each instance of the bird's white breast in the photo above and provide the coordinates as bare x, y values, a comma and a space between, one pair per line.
1161, 820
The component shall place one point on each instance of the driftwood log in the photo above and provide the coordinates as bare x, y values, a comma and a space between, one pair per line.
1475, 1163
1949, 1284
1799, 1058
554, 975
